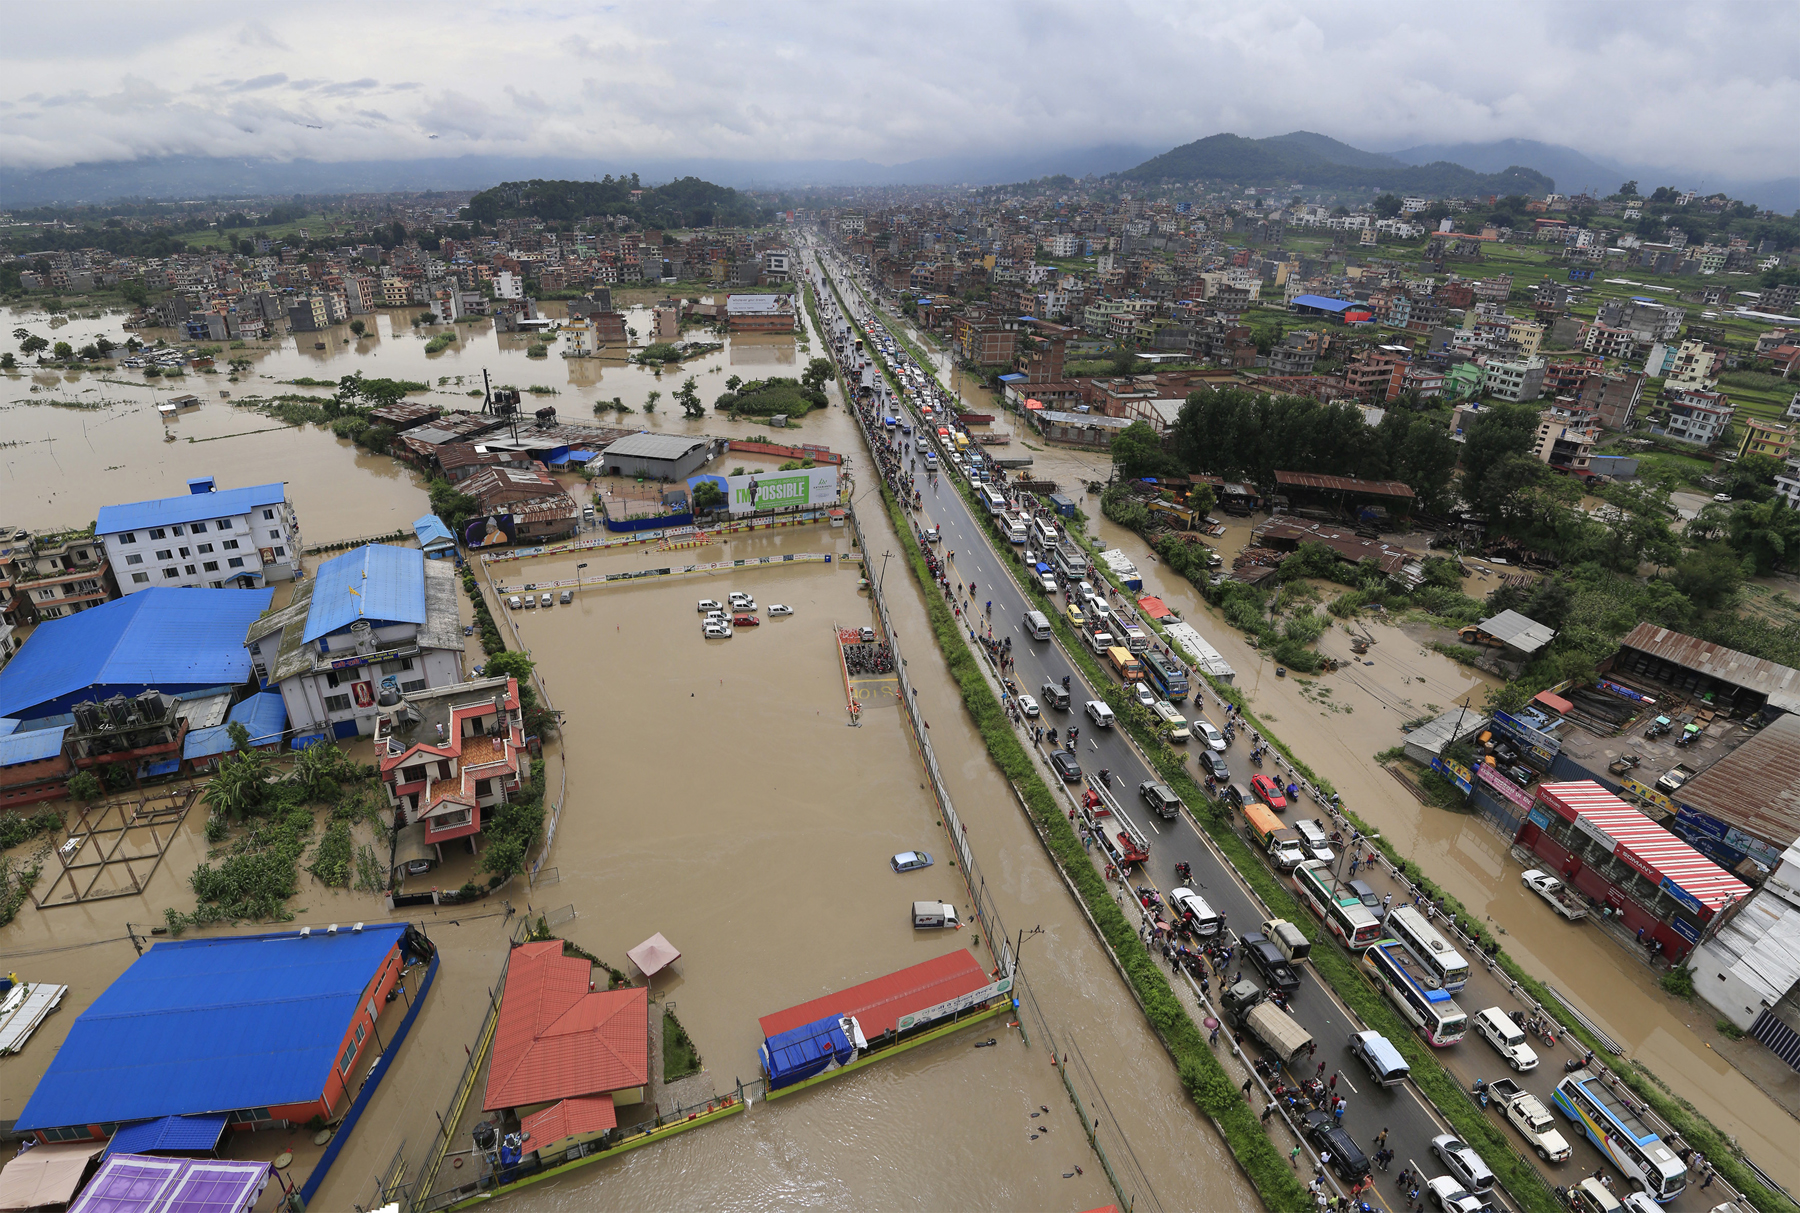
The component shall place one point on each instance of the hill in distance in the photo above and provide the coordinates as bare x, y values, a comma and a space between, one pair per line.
1316, 160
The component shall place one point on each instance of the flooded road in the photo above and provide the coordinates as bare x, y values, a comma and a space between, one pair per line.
716, 795
1336, 723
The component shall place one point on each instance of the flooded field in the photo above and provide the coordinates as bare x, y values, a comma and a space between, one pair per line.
717, 795
1338, 722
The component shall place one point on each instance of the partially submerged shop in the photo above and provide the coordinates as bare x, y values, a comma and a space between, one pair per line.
1649, 879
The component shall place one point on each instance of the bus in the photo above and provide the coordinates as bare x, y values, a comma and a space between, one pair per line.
1165, 676
1428, 946
1620, 1134
1349, 919
1409, 988
996, 501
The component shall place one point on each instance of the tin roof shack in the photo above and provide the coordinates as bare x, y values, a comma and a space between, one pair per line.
666, 457
1368, 501
435, 539
539, 506
1281, 534
252, 1031
1518, 637
374, 616
405, 415
448, 756
33, 766
264, 718
1430, 740
1732, 682
1614, 854
1747, 804
1749, 970
173, 641
1078, 429
563, 1048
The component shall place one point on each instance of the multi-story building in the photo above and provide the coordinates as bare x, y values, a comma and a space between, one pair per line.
375, 618
1689, 365
1613, 397
1695, 416
1562, 445
1768, 438
231, 538
450, 755
1515, 381
1375, 376
49, 576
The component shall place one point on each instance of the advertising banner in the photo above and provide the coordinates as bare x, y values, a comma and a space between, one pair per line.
777, 490
1501, 784
1648, 794
1455, 772
1684, 928
1680, 894
962, 1002
489, 530
1596, 833
1527, 734
1540, 817
1624, 692
1637, 865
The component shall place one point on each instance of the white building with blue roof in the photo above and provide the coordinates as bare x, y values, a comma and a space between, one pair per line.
210, 537
375, 616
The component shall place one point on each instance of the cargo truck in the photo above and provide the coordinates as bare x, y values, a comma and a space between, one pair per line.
1271, 1027
805, 1052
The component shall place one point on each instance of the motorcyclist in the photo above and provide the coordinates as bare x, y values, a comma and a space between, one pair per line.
1065, 682
1106, 776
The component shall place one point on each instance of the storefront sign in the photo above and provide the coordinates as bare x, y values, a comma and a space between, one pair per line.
1637, 865
777, 490
1680, 894
963, 1002
1528, 734
1685, 929
1503, 785
1647, 794
1540, 817
1455, 772
348, 663
1596, 833
1755, 848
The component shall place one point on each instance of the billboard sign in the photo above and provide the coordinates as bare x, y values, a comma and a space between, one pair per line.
1501, 784
489, 531
1455, 772
962, 1002
778, 490
1546, 742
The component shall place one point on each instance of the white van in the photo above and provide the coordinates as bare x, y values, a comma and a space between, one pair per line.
1508, 1038
1316, 840
1202, 917
1386, 1066
929, 915
1037, 625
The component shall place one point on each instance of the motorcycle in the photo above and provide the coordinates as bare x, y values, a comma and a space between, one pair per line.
1184, 872
1256, 757
1481, 1093
1578, 1063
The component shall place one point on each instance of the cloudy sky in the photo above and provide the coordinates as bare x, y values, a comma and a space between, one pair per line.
1713, 88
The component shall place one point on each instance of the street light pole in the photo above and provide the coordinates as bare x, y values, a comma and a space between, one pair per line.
1023, 936
578, 569
881, 578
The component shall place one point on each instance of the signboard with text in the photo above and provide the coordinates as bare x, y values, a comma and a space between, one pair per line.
1501, 784
1455, 772
963, 1002
1528, 734
777, 490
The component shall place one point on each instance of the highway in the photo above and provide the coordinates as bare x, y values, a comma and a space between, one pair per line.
1408, 1116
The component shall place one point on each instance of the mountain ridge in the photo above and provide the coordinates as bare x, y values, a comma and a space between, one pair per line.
1303, 157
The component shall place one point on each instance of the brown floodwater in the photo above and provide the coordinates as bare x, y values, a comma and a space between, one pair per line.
1338, 722
716, 795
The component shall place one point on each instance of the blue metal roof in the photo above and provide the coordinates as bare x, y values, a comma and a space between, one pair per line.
1321, 302
431, 529
263, 716
186, 1134
30, 747
170, 640
190, 507
212, 1025
8, 725
376, 582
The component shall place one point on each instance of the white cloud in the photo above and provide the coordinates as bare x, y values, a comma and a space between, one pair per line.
1709, 87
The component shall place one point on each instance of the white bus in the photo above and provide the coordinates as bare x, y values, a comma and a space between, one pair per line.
995, 499
1428, 947
1430, 1009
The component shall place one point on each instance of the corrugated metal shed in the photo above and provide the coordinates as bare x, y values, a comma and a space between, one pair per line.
263, 716
1431, 739
34, 746
1756, 787
197, 1134
1645, 846
432, 533
190, 507
1780, 683
655, 446
879, 1004
167, 639
376, 582
1517, 631
1345, 484
212, 1025
1322, 303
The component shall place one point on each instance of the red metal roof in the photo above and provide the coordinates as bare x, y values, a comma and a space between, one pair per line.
1651, 850
571, 1118
1154, 607
1345, 484
558, 1038
1555, 702
879, 1004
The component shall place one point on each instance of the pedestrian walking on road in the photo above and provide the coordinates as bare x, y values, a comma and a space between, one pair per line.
1354, 861
1294, 1158
1268, 1112
1333, 1083
1311, 1048
1321, 1072
1710, 1176
1381, 1138
1247, 1084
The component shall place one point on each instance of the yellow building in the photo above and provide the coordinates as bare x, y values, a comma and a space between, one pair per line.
1766, 438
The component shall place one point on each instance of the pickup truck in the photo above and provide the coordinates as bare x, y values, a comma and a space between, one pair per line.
1562, 899
1270, 1026
1529, 1116
1270, 962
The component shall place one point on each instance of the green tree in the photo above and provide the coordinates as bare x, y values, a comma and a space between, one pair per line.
1387, 206
503, 858
1768, 532
105, 345
8, 362
85, 786
511, 663
688, 396
1500, 433
1138, 452
31, 343
358, 327
1629, 189
62, 349
1201, 499
819, 372
709, 496
240, 788
135, 293
1709, 574
733, 383
1752, 478
240, 736
650, 401
454, 507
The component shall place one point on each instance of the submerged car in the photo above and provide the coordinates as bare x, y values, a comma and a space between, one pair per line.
745, 621
715, 631
910, 861
776, 608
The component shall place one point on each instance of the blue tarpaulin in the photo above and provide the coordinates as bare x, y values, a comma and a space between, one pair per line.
183, 1134
798, 1054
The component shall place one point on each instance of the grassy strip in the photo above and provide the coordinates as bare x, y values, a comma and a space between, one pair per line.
1201, 1074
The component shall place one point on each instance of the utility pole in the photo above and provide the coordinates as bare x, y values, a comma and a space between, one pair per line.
1023, 936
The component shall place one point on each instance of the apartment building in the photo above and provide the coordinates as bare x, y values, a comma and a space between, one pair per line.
230, 538
1564, 446
1613, 397
1769, 438
1515, 381
1696, 416
50, 576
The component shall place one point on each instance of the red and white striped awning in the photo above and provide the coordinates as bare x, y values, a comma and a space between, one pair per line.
1650, 850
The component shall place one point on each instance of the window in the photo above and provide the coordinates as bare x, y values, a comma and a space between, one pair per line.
175, 530
483, 788
199, 528
128, 537
211, 566
223, 524
171, 573
415, 685
205, 548
331, 678
165, 554
47, 595
157, 533
231, 545
412, 774
349, 1058
134, 559
190, 569
72, 1133
337, 703
236, 562
274, 534
186, 552
268, 515
139, 578
281, 553
218, 585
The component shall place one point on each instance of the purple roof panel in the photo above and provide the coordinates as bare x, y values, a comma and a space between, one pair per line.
132, 1183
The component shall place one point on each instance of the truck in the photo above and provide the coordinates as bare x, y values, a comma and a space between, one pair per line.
1117, 834
1124, 664
1562, 898
1529, 1116
933, 914
801, 1053
1266, 831
1097, 637
1271, 1027
1270, 961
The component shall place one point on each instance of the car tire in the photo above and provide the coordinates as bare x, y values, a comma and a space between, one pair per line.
1543, 1154
1513, 1062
